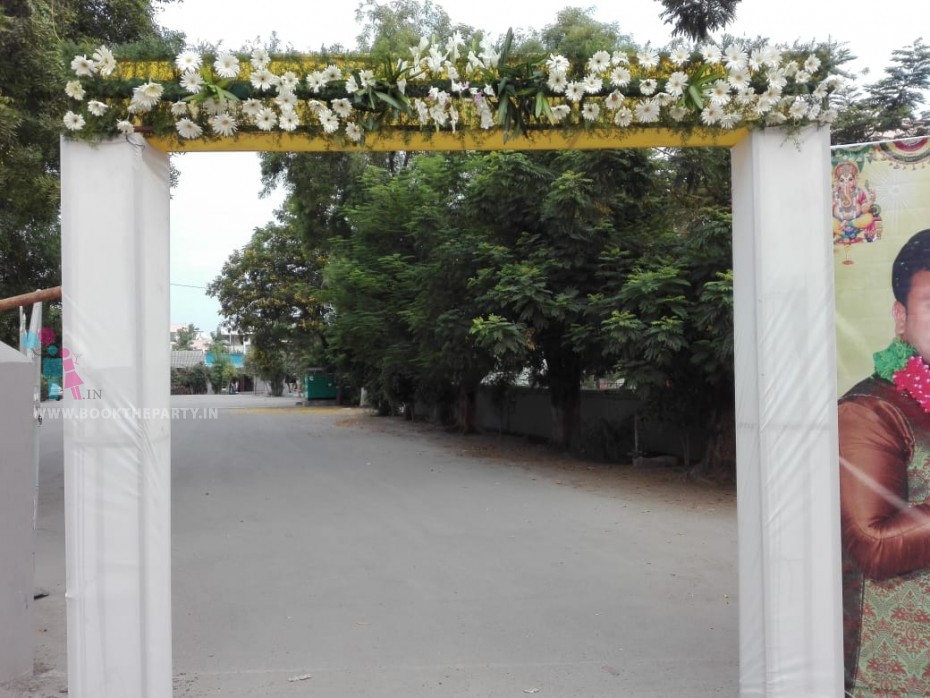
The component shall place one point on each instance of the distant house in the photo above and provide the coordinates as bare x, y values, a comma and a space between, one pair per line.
187, 359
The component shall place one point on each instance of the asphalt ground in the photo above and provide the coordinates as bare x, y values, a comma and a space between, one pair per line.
325, 552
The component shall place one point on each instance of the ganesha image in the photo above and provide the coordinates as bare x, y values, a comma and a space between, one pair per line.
856, 216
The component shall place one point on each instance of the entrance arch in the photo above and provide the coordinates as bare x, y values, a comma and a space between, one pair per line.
115, 197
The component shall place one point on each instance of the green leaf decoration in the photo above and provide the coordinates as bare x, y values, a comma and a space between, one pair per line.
893, 358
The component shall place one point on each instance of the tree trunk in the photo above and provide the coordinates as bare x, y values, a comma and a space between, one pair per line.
564, 374
719, 462
468, 411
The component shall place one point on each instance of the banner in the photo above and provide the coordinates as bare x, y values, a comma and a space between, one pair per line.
881, 236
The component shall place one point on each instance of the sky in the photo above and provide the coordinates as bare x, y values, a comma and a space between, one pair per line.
216, 206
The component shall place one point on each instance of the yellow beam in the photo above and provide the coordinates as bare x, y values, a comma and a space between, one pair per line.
393, 140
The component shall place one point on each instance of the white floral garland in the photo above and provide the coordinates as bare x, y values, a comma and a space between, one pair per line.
719, 88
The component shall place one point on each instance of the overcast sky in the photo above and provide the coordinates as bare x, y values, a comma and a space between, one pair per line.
216, 206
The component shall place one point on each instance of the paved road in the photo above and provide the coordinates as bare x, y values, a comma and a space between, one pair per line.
382, 559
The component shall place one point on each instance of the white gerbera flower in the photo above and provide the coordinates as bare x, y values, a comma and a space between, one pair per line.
557, 82
746, 96
620, 77
710, 53
315, 106
145, 96
223, 124
790, 68
678, 112
263, 79
331, 74
813, 110
648, 58
422, 111
775, 119
735, 57
756, 60
676, 84
192, 82
342, 107
315, 81
289, 121
828, 116
623, 117
188, 129
354, 132
592, 84
719, 92
179, 108
614, 100
647, 111
251, 107
773, 93
729, 119
260, 59
802, 76
559, 112
798, 109
74, 90
557, 63
73, 122
82, 66
286, 99
599, 62
214, 107
265, 119
771, 56
105, 61
619, 58
574, 91
96, 108
776, 79
226, 65
366, 79
812, 63
590, 111
679, 56
329, 121
125, 127
188, 61
289, 81
764, 104
739, 78
351, 85
648, 86
712, 114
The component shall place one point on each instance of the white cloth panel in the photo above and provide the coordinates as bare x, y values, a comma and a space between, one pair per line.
787, 460
16, 532
115, 294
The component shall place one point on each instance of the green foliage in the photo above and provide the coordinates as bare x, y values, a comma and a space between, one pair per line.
189, 381
33, 37
697, 19
269, 364
271, 289
221, 372
889, 107
186, 337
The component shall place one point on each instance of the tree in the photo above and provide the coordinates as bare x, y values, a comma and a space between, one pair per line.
186, 337
269, 365
270, 289
35, 35
889, 107
548, 221
696, 19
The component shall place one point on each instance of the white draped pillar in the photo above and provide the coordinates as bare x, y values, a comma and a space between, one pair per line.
787, 459
115, 295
